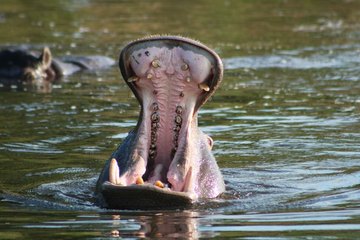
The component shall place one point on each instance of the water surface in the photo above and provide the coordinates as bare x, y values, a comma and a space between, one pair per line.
285, 120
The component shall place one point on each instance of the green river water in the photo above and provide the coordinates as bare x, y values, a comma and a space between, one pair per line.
285, 121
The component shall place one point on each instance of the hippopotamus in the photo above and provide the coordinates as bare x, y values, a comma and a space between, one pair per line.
165, 162
26, 66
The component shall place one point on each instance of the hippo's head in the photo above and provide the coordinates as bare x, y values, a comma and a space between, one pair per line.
166, 161
26, 66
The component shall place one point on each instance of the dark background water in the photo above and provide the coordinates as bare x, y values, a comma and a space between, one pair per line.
285, 120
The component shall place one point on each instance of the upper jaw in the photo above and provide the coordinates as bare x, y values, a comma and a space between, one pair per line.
170, 42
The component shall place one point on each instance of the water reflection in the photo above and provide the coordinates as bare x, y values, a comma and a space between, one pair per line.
165, 225
195, 225
40, 86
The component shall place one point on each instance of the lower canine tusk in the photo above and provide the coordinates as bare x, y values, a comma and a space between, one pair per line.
114, 172
188, 181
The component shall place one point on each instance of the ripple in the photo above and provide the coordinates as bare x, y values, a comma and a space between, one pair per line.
278, 61
117, 124
31, 148
342, 62
277, 228
59, 171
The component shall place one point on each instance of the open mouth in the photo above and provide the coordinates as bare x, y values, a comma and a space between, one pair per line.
171, 77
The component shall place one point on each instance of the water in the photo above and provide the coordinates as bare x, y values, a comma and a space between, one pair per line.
285, 120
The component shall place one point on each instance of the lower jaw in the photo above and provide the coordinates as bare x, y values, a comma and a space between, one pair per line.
146, 191
145, 197
168, 168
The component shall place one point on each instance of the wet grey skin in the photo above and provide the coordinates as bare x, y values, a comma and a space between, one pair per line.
165, 162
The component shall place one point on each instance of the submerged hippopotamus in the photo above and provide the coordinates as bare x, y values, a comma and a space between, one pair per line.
25, 66
166, 161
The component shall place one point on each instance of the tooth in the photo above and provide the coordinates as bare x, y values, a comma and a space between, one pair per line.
184, 66
152, 133
114, 172
188, 181
178, 119
178, 110
159, 184
176, 137
133, 79
156, 64
155, 106
152, 153
153, 138
154, 126
149, 76
155, 117
139, 181
204, 87
188, 79
177, 128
